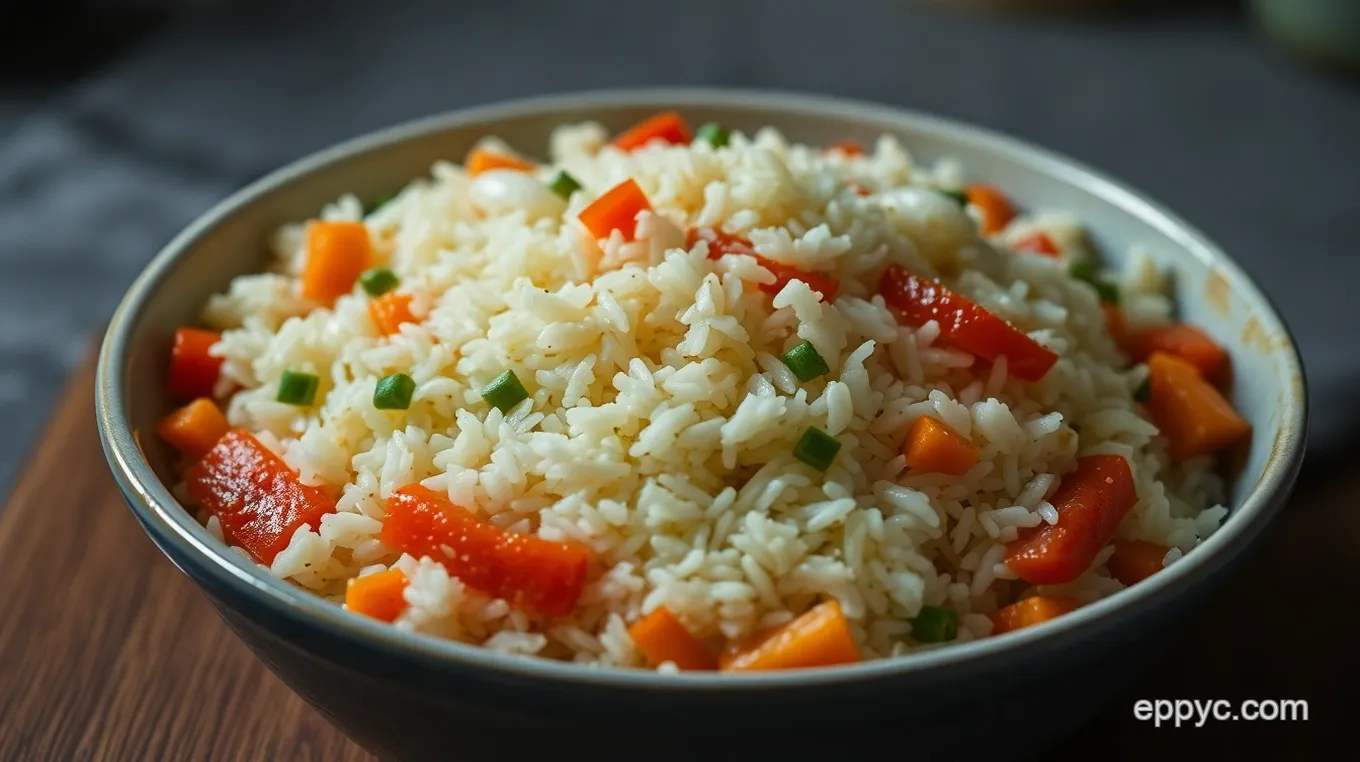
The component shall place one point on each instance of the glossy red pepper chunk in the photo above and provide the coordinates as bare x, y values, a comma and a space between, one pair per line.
963, 324
257, 498
193, 372
1091, 502
525, 570
720, 244
1039, 243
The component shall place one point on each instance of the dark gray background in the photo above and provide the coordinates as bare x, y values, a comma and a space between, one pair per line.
1190, 106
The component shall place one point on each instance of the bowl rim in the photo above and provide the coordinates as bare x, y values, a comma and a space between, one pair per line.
167, 522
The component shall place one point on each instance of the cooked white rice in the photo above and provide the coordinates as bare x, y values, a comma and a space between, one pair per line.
661, 422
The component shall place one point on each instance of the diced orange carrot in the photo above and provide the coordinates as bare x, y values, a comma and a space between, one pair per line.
617, 210
668, 127
1114, 321
258, 499
1181, 340
1039, 243
194, 428
389, 311
193, 372
337, 253
847, 147
933, 445
1193, 416
483, 159
378, 595
721, 244
819, 638
1091, 502
527, 571
661, 637
996, 209
1032, 611
1135, 560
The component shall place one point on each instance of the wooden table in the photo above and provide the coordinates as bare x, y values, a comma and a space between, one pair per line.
107, 652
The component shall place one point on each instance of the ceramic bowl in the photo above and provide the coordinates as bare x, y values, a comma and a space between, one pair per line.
404, 696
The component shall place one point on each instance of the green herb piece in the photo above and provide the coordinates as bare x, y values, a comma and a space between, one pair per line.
297, 388
817, 448
394, 392
935, 625
505, 391
804, 361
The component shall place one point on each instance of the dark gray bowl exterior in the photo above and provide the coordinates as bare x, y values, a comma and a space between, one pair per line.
408, 697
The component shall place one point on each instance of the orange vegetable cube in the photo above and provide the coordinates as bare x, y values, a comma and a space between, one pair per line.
337, 253
1114, 321
931, 445
996, 209
821, 637
1032, 611
389, 311
1135, 560
194, 428
482, 160
378, 595
1193, 416
617, 210
661, 637
1181, 340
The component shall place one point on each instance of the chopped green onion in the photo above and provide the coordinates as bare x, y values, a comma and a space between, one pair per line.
505, 391
1086, 270
935, 625
714, 134
378, 281
1108, 291
959, 197
297, 388
394, 392
817, 448
563, 184
804, 361
380, 203
1144, 391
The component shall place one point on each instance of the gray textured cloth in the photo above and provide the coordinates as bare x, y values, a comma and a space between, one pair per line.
1192, 109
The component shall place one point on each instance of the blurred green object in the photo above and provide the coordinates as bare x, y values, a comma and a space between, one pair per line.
1324, 31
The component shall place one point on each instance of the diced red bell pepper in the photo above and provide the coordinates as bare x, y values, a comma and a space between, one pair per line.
1091, 502
527, 571
257, 498
193, 372
1039, 243
964, 324
1179, 340
720, 243
667, 127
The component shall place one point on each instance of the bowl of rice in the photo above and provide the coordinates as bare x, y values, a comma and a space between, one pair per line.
693, 415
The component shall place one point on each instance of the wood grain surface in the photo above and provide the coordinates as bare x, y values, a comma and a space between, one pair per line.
107, 652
